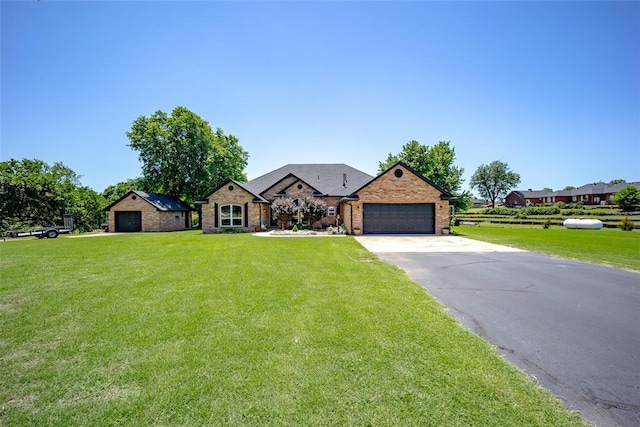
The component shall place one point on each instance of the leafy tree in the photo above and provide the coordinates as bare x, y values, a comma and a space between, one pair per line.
314, 208
33, 193
182, 156
494, 180
284, 209
569, 187
627, 198
434, 163
617, 181
114, 192
86, 207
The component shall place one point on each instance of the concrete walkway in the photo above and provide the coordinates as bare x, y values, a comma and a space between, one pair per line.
429, 243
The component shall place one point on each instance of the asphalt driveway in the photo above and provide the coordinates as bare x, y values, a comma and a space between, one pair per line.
574, 326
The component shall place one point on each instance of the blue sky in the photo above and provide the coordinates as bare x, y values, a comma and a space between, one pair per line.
551, 88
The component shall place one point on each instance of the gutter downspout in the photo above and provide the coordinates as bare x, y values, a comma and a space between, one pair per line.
351, 217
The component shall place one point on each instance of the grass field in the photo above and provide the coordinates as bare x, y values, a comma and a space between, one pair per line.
180, 329
606, 246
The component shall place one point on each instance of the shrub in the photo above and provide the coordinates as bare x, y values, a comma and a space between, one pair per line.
627, 198
626, 224
295, 228
501, 211
229, 230
546, 224
522, 214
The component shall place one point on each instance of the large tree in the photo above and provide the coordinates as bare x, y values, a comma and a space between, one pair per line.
33, 193
182, 156
494, 180
435, 163
113, 193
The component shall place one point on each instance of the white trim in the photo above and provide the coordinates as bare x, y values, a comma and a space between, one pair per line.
234, 221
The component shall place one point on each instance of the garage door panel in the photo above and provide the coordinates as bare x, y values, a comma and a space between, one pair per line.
128, 221
415, 218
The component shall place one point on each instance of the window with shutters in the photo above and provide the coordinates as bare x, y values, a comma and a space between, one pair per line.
230, 216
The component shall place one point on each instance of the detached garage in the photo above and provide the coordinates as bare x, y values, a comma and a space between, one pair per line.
398, 201
128, 221
142, 211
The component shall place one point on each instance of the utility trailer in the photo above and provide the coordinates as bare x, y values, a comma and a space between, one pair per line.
48, 232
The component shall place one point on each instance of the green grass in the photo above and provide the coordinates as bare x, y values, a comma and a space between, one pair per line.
180, 329
606, 246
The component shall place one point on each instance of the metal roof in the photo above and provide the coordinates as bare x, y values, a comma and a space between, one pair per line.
162, 202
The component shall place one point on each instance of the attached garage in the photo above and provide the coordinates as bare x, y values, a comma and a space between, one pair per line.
397, 201
128, 221
408, 218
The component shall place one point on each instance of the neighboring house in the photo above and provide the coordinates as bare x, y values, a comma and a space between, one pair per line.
141, 211
589, 194
396, 201
478, 203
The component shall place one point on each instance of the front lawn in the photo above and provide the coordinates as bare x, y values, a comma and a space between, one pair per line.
191, 329
607, 246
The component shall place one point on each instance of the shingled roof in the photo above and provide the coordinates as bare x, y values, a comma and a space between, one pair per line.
594, 188
328, 179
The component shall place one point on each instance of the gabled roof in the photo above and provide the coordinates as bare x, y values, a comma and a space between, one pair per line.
444, 195
257, 197
161, 202
297, 180
328, 179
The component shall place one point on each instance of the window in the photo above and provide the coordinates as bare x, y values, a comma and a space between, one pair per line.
331, 211
231, 216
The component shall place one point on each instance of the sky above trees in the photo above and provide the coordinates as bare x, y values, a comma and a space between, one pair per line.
551, 88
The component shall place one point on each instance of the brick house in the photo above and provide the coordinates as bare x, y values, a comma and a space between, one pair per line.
397, 201
142, 211
589, 194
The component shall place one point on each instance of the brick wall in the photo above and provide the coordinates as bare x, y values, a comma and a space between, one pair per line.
387, 188
231, 194
152, 219
172, 221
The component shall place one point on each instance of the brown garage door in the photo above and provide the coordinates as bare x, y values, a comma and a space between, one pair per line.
128, 221
412, 218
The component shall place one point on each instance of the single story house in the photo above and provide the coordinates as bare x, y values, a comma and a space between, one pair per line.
142, 211
597, 193
398, 200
